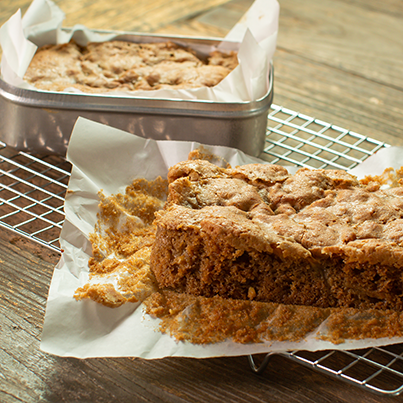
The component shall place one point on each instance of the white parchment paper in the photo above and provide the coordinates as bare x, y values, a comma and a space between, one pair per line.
254, 37
109, 159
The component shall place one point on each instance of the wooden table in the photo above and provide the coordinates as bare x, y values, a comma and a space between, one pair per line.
338, 61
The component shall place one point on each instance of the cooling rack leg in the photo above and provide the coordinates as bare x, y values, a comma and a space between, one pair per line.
258, 369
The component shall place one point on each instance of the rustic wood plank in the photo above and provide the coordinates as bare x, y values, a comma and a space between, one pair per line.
127, 15
349, 36
192, 28
8, 8
123, 15
216, 22
391, 7
347, 100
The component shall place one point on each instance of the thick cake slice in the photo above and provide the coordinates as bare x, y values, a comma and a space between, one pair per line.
318, 238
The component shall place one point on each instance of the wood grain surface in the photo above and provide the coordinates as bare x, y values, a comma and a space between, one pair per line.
340, 61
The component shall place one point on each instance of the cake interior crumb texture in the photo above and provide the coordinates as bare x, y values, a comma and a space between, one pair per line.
319, 238
125, 66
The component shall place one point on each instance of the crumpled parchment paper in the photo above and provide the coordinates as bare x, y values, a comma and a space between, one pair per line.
109, 159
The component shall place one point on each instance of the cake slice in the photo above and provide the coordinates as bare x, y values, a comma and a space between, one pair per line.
318, 238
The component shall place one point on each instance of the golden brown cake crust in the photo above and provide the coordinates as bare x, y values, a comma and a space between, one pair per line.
125, 66
319, 237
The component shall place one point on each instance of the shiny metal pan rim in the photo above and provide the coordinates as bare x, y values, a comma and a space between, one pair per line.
127, 104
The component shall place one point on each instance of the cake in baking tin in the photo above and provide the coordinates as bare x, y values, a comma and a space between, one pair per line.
125, 66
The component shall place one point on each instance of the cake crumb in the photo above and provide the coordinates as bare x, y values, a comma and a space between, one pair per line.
121, 272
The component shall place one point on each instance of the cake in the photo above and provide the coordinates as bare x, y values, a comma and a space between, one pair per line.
317, 238
125, 66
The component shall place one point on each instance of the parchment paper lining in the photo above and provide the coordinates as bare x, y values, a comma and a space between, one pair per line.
254, 37
109, 159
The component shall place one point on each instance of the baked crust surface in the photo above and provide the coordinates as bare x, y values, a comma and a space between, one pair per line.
319, 237
125, 66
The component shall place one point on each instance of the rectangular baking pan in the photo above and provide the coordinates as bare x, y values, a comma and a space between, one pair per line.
41, 122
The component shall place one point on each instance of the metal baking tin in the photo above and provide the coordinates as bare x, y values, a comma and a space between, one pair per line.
41, 122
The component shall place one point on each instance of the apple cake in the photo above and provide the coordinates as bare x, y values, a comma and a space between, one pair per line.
125, 66
317, 238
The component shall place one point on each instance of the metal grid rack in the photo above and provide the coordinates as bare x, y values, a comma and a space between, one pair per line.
32, 194
32, 191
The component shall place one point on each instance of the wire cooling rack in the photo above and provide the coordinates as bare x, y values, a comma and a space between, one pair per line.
32, 191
